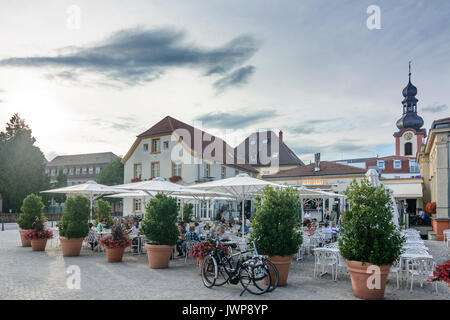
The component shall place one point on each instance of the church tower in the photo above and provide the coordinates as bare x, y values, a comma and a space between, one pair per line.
411, 135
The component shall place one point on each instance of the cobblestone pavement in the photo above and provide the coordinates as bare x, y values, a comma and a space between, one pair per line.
42, 275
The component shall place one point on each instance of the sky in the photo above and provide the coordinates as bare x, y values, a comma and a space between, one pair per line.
89, 76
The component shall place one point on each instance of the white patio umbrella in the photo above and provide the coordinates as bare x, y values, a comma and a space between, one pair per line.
305, 193
239, 187
374, 180
91, 189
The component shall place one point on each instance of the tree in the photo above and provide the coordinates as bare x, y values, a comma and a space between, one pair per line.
22, 164
102, 210
112, 174
75, 220
61, 181
188, 212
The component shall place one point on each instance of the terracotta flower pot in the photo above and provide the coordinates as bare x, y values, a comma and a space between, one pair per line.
282, 264
71, 247
38, 244
366, 288
25, 242
158, 255
114, 254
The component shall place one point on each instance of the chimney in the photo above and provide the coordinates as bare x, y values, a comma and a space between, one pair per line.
280, 135
317, 161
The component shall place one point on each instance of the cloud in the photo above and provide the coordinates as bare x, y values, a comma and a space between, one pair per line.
138, 55
343, 146
312, 126
236, 78
117, 123
435, 108
225, 120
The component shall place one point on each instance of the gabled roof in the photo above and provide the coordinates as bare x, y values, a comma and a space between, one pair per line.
170, 126
255, 145
82, 159
326, 168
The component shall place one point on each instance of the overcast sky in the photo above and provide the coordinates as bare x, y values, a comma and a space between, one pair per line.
310, 68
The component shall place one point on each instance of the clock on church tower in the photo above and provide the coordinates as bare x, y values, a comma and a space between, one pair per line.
408, 139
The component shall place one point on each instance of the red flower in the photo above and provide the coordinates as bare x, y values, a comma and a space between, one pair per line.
201, 250
109, 243
36, 235
442, 272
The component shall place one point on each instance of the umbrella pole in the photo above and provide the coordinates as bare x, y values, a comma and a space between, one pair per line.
243, 220
91, 202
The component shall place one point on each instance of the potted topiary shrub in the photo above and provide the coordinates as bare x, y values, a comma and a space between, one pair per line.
370, 240
32, 207
115, 244
159, 227
276, 228
39, 235
188, 212
102, 210
74, 225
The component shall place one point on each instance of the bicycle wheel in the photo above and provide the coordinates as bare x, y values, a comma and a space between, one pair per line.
209, 271
222, 276
273, 274
255, 280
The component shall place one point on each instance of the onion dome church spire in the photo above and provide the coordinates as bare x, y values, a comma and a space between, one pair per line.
410, 119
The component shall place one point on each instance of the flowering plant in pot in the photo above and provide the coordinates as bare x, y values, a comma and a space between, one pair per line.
201, 249
32, 208
39, 235
74, 225
115, 244
159, 227
275, 227
442, 273
174, 179
370, 241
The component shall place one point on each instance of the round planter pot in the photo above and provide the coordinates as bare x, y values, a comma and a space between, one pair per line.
25, 242
282, 264
114, 254
158, 255
71, 247
38, 244
367, 284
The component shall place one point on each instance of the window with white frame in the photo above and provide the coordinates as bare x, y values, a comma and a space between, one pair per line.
176, 169
91, 170
70, 170
137, 171
77, 171
137, 205
380, 164
97, 170
156, 147
397, 164
413, 166
145, 147
84, 170
65, 170
166, 145
155, 169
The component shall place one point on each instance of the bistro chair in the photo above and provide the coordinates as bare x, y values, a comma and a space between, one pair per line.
420, 268
324, 258
397, 268
188, 245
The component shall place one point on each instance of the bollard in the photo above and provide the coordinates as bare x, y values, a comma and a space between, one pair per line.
3, 226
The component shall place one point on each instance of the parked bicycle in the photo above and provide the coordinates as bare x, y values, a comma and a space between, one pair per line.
253, 271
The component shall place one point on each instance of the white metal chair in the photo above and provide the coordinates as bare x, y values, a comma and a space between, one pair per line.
420, 268
324, 258
188, 245
397, 268
341, 265
446, 234
416, 251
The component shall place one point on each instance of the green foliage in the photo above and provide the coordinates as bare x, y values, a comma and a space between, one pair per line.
32, 208
159, 225
369, 234
75, 220
22, 165
102, 210
275, 223
112, 174
188, 212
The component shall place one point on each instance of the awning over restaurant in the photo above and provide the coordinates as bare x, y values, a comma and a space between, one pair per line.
412, 189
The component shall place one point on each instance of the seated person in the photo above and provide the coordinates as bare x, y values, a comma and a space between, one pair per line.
207, 227
314, 223
223, 235
92, 236
191, 234
423, 216
307, 218
135, 229
198, 229
99, 226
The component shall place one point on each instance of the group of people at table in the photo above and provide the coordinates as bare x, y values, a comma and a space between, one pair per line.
103, 227
211, 229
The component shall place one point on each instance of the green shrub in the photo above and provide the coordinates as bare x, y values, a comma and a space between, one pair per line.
368, 232
275, 223
32, 207
188, 212
75, 220
159, 224
102, 210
